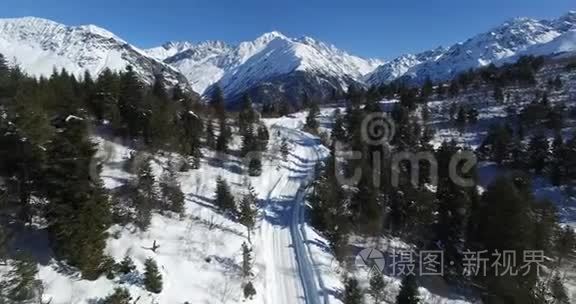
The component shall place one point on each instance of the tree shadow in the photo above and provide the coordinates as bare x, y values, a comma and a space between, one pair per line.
30, 240
231, 165
279, 212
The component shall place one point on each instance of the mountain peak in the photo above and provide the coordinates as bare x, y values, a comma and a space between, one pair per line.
41, 26
177, 44
96, 30
273, 34
267, 37
39, 45
568, 17
29, 20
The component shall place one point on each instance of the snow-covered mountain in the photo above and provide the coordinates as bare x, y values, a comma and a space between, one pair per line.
399, 66
169, 49
273, 66
251, 65
520, 36
39, 46
563, 44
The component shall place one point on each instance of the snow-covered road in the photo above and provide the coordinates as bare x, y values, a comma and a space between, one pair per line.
290, 276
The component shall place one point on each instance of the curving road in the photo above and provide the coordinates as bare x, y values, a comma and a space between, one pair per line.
290, 274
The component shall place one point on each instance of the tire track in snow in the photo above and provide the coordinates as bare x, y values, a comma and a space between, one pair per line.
312, 282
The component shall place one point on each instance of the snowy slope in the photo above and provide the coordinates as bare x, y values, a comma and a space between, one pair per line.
565, 43
238, 68
39, 46
169, 49
200, 253
399, 66
500, 44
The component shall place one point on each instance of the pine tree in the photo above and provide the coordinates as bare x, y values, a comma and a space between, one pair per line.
472, 115
105, 100
263, 137
248, 212
518, 155
427, 88
4, 68
496, 145
408, 291
31, 117
145, 198
218, 104
284, 149
191, 126
570, 159
352, 292
22, 164
172, 196
505, 216
365, 204
498, 94
78, 212
127, 265
565, 243
454, 88
22, 283
3, 244
539, 153
248, 141
255, 165
119, 296
223, 137
509, 219
247, 114
152, 277
453, 212
377, 286
330, 212
249, 290
557, 170
338, 131
558, 291
158, 88
246, 260
109, 267
130, 103
4, 78
224, 199
312, 118
161, 115
305, 100
88, 86
461, 117
355, 94
210, 138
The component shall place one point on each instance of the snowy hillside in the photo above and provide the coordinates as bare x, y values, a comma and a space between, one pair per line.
399, 66
241, 67
39, 46
565, 43
500, 44
169, 49
199, 253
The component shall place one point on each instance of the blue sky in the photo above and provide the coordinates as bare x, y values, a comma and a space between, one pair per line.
369, 28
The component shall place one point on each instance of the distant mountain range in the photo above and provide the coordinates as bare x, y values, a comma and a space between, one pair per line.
39, 46
520, 36
273, 67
